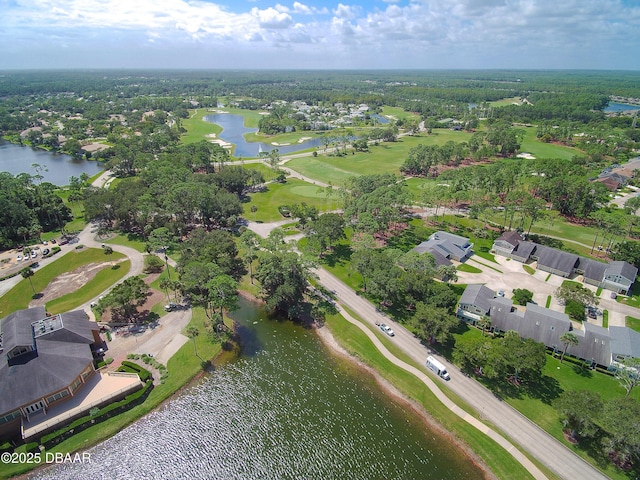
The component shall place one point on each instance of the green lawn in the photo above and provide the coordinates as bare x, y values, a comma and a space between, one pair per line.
634, 296
398, 113
463, 267
98, 284
539, 149
535, 402
19, 296
132, 241
289, 193
384, 158
197, 129
633, 323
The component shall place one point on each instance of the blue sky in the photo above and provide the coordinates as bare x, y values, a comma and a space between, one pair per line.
320, 34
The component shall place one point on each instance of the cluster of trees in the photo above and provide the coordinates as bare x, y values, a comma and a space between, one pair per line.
423, 160
508, 357
28, 207
614, 424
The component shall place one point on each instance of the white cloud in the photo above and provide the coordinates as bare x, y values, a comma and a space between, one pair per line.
509, 33
272, 18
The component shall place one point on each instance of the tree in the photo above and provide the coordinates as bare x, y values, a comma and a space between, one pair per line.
448, 273
576, 292
166, 284
250, 243
471, 353
575, 310
223, 294
628, 373
283, 277
435, 323
126, 296
254, 210
192, 333
326, 230
620, 419
579, 412
627, 251
568, 339
484, 323
524, 359
522, 296
28, 273
108, 251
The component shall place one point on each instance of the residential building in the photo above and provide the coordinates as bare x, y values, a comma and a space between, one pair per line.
445, 247
44, 362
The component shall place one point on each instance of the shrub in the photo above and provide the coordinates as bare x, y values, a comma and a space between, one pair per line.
153, 264
575, 310
522, 296
108, 360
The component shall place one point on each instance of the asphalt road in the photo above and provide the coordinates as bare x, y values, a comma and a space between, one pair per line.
509, 421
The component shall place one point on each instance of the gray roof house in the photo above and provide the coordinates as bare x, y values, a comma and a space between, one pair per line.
475, 302
556, 261
619, 277
445, 247
596, 345
506, 243
43, 361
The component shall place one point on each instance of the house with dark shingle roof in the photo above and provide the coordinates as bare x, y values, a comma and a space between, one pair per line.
506, 243
445, 247
556, 261
596, 345
43, 362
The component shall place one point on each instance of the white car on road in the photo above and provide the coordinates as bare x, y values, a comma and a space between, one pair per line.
387, 329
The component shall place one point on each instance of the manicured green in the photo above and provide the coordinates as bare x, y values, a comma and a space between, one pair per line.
528, 269
384, 158
548, 304
289, 193
98, 284
132, 241
539, 149
485, 255
605, 318
196, 128
463, 267
396, 113
633, 299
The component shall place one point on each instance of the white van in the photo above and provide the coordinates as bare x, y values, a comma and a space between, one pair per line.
438, 368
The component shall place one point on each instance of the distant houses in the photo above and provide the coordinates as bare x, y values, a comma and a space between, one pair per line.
596, 345
616, 276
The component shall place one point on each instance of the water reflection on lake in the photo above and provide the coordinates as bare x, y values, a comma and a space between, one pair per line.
284, 410
17, 159
234, 131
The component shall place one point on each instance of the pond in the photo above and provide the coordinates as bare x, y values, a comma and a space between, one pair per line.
285, 409
58, 167
620, 107
233, 131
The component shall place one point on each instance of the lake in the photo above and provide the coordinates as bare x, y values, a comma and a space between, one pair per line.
620, 107
285, 409
233, 131
17, 159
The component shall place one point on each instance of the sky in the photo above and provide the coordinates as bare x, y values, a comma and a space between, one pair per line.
320, 34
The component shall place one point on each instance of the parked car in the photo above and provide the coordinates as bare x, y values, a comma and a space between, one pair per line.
45, 251
387, 329
500, 293
170, 307
613, 295
34, 254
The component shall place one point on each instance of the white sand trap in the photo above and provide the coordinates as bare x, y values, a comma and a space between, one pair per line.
526, 156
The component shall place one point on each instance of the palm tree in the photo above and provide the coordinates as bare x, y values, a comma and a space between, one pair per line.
28, 273
484, 323
166, 284
108, 251
567, 338
192, 333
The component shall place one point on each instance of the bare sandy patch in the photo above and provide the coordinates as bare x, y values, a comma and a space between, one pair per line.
68, 282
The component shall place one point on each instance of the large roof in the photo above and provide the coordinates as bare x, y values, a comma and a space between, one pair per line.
16, 328
512, 237
59, 358
594, 343
525, 249
478, 295
594, 270
625, 342
556, 259
624, 269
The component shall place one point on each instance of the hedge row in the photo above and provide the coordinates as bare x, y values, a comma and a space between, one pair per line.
131, 367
